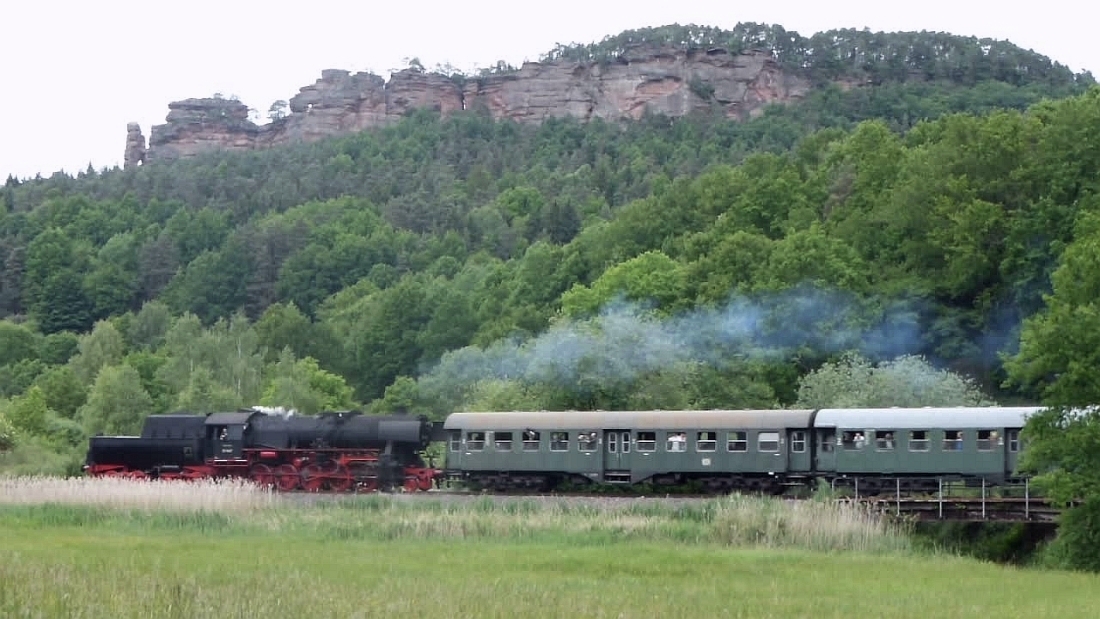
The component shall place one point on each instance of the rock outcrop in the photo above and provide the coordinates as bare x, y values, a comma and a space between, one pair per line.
135, 146
655, 79
200, 125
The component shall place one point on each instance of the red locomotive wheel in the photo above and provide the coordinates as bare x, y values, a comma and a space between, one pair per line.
262, 475
313, 478
287, 477
340, 480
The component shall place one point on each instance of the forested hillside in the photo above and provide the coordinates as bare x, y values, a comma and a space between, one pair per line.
444, 263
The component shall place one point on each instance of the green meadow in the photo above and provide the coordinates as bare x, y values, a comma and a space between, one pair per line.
71, 548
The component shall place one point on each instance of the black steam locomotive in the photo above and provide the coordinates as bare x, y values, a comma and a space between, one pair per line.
332, 451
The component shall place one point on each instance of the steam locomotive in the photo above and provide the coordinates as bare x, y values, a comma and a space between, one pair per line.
332, 451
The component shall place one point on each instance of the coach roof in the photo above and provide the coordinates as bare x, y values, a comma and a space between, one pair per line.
925, 418
630, 420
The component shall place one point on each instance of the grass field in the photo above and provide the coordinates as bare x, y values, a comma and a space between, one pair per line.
253, 556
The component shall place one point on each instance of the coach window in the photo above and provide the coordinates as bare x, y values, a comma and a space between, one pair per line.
706, 441
798, 441
456, 440
987, 440
475, 441
647, 441
884, 440
559, 441
677, 441
502, 441
767, 441
737, 441
531, 440
952, 440
1014, 440
918, 440
588, 440
853, 441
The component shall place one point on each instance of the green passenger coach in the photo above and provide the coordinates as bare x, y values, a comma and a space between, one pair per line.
722, 449
918, 445
872, 449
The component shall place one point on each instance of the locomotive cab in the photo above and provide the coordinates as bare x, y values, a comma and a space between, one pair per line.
225, 434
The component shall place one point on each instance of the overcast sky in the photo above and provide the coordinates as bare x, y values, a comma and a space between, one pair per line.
75, 72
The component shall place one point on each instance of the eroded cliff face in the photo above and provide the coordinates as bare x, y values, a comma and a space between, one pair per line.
664, 81
661, 80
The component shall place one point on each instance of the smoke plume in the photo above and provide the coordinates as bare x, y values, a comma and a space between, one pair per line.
627, 340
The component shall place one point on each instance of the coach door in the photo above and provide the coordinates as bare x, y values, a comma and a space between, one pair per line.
825, 449
798, 451
616, 456
1011, 449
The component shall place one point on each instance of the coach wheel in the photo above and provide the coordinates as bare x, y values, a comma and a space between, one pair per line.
287, 477
262, 475
340, 480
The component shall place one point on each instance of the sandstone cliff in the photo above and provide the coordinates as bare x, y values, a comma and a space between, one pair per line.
656, 79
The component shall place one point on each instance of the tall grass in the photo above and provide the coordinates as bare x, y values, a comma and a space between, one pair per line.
226, 496
209, 506
814, 525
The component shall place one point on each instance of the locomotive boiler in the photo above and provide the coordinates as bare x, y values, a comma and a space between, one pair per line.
332, 451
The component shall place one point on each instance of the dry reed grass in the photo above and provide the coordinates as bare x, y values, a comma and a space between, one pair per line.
812, 525
731, 521
167, 496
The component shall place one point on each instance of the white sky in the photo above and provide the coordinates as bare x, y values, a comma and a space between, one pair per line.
74, 72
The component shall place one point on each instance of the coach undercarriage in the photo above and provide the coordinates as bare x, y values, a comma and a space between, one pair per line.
512, 481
